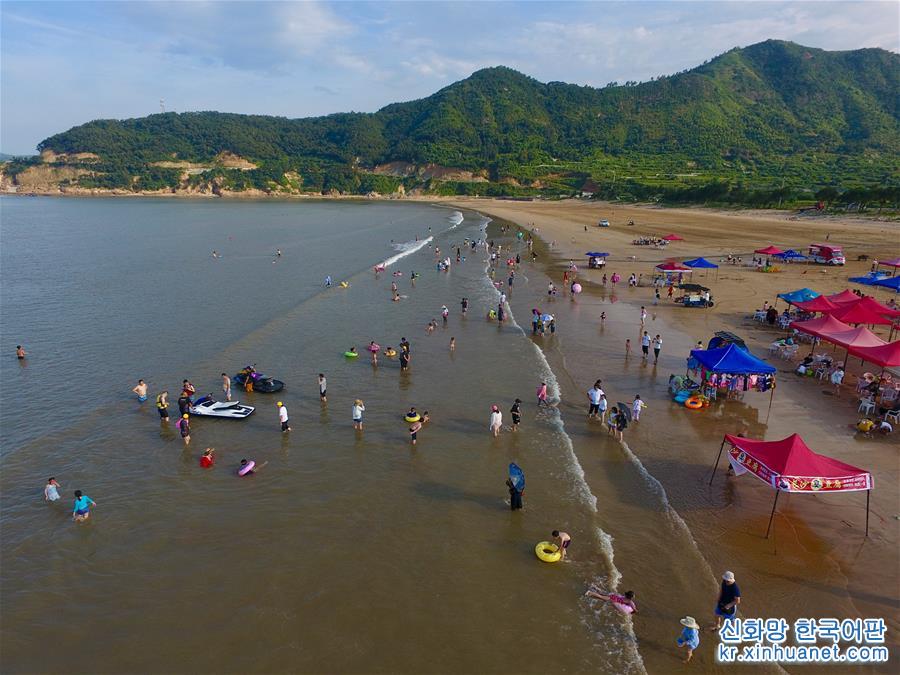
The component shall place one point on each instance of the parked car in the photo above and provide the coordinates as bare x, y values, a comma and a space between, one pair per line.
603, 223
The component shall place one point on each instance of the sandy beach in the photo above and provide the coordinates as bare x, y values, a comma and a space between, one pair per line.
818, 563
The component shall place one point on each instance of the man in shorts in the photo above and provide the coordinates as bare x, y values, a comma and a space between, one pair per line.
729, 599
594, 394
162, 405
563, 540
413, 430
283, 417
645, 346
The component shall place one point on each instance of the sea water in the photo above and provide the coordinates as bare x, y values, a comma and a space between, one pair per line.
346, 552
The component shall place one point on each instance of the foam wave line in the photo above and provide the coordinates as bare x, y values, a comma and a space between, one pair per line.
405, 249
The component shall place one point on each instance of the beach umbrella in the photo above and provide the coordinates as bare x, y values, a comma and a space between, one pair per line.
624, 410
673, 237
576, 288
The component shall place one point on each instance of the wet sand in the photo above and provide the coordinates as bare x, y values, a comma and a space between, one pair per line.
817, 562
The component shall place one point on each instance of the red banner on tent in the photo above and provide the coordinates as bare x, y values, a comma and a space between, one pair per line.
786, 483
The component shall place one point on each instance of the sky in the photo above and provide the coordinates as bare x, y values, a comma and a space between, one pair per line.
66, 63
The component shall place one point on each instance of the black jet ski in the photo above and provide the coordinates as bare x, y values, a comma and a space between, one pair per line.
260, 383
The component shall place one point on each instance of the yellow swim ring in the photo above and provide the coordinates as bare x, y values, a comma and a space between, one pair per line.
413, 418
390, 353
693, 403
344, 284
547, 552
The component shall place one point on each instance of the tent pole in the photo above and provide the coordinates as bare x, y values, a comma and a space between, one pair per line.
771, 517
868, 494
716, 465
769, 411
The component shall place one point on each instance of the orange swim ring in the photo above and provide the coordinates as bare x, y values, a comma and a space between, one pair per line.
693, 403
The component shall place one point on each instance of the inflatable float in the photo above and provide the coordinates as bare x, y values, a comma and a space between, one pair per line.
547, 552
350, 355
412, 418
247, 468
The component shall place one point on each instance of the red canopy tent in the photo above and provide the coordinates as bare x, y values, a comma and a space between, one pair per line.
886, 356
872, 304
789, 465
890, 263
819, 304
673, 237
844, 297
768, 250
861, 313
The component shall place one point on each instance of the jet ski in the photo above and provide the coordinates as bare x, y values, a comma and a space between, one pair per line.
206, 407
259, 382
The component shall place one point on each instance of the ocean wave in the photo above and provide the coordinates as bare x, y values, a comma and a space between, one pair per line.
405, 249
581, 487
456, 217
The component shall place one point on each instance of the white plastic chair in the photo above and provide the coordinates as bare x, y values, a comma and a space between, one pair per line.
893, 416
889, 395
866, 406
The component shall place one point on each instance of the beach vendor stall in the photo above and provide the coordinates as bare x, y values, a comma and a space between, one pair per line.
789, 465
732, 370
844, 297
596, 260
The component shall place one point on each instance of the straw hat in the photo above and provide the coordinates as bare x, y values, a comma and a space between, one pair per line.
690, 622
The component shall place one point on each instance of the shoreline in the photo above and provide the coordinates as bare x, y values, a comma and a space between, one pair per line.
475, 203
811, 537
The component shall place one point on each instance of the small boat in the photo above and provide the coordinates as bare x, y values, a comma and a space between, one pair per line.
228, 409
261, 383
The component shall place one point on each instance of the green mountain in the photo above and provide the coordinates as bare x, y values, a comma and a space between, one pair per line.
774, 115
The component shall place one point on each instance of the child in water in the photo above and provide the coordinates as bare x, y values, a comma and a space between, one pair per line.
626, 600
51, 493
542, 394
690, 636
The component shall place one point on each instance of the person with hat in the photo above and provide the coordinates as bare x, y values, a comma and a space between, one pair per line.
184, 426
496, 420
283, 416
690, 636
729, 599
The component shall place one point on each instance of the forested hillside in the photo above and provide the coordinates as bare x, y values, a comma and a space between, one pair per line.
772, 118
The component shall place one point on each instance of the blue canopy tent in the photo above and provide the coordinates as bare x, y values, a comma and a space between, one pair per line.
891, 282
702, 263
800, 295
732, 360
870, 279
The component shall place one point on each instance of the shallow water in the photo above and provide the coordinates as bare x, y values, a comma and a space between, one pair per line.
347, 552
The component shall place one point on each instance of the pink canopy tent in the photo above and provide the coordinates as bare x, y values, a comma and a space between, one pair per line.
844, 297
890, 263
673, 267
820, 327
855, 337
819, 304
768, 250
673, 237
789, 465
886, 356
